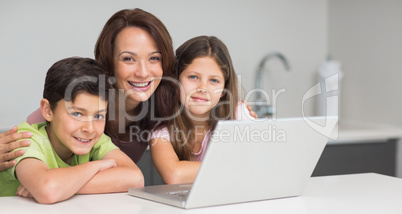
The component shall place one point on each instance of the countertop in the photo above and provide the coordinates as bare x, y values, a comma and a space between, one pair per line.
355, 193
350, 131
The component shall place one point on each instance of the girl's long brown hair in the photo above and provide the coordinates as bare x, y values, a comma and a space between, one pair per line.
181, 128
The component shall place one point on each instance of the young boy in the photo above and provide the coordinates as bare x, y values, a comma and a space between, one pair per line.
69, 154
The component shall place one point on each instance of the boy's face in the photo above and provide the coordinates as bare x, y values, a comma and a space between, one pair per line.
75, 127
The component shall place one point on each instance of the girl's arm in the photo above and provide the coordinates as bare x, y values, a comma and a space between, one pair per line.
117, 179
54, 185
171, 169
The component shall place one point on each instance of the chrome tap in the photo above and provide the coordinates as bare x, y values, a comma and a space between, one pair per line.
262, 109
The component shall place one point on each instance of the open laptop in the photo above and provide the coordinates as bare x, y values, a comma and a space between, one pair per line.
250, 161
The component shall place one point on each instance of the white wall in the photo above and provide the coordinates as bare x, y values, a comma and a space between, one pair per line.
366, 36
35, 34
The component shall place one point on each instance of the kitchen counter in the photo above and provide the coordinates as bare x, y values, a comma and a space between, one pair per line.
359, 132
359, 193
360, 148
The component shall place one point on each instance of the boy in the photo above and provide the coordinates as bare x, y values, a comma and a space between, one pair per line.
69, 153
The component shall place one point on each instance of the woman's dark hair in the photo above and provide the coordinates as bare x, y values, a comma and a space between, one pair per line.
160, 104
68, 77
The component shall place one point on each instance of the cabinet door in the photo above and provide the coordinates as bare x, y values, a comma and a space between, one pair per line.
378, 157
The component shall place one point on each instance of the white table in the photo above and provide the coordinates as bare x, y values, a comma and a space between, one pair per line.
355, 193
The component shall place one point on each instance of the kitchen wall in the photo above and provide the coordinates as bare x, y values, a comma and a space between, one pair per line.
35, 34
365, 35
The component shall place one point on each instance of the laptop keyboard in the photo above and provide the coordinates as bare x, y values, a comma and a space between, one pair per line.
183, 193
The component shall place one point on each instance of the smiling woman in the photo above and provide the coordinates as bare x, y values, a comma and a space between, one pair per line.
136, 50
73, 31
138, 70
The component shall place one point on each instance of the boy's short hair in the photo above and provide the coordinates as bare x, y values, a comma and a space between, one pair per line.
70, 76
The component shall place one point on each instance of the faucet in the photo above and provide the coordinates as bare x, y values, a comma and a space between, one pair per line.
262, 109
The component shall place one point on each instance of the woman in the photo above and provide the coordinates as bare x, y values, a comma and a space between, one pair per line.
136, 48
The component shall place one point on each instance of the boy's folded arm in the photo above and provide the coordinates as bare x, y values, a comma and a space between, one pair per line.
58, 184
117, 179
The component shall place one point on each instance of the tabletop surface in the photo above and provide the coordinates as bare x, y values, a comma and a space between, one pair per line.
354, 193
350, 131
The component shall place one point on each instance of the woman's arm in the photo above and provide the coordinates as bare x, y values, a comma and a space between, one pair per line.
8, 142
117, 179
54, 185
35, 117
251, 112
171, 169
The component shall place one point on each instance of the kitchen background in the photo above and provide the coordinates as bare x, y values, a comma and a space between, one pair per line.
363, 35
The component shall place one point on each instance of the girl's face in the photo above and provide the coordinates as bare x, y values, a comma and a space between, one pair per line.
75, 127
202, 85
138, 68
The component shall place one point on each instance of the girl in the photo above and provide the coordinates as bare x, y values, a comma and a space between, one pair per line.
208, 93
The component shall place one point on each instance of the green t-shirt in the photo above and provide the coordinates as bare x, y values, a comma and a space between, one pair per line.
42, 149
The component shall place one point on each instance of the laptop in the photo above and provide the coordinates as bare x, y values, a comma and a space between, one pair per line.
250, 161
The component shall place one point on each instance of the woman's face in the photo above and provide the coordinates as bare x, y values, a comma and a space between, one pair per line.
138, 67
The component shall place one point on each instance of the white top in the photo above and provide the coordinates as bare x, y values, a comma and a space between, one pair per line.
350, 131
242, 113
358, 193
